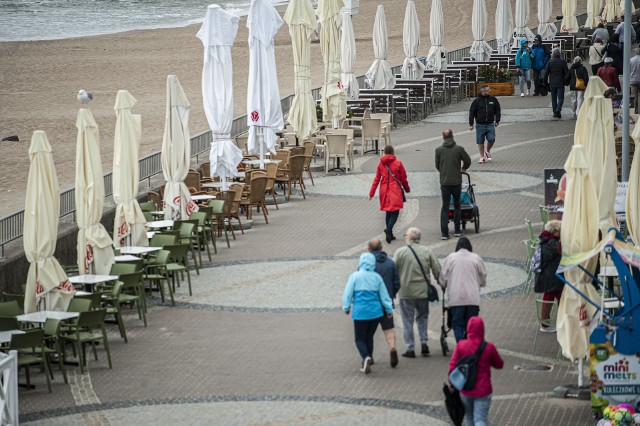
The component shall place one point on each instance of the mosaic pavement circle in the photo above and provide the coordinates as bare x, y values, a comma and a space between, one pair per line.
251, 413
302, 284
423, 184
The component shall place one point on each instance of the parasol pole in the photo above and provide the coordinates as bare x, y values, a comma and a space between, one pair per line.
626, 83
260, 132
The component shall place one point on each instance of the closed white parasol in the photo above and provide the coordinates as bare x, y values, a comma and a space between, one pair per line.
411, 67
437, 56
480, 50
379, 75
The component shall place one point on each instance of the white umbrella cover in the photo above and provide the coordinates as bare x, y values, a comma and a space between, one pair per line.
333, 99
411, 67
579, 233
264, 112
546, 29
95, 254
217, 34
437, 56
593, 14
302, 24
348, 58
633, 200
129, 222
46, 281
622, 3
522, 30
480, 50
379, 76
569, 22
176, 153
504, 26
611, 11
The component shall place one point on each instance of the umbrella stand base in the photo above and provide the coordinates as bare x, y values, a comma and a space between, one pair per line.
572, 391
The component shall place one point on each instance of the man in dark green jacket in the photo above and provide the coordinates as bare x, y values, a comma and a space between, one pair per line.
451, 160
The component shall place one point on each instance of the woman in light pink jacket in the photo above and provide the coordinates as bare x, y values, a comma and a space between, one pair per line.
463, 274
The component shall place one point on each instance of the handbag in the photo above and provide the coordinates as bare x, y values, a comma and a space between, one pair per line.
432, 293
464, 374
579, 82
404, 197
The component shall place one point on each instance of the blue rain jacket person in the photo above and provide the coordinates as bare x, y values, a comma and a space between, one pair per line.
366, 291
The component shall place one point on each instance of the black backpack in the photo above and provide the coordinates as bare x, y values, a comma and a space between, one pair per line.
464, 374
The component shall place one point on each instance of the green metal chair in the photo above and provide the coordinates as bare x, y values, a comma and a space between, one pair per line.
545, 215
189, 236
30, 347
8, 297
113, 307
82, 332
79, 305
156, 272
52, 337
9, 323
133, 292
206, 230
218, 219
10, 309
179, 263
550, 322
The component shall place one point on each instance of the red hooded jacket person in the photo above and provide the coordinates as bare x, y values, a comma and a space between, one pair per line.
392, 179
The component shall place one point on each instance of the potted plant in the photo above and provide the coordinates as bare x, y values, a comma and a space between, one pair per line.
499, 79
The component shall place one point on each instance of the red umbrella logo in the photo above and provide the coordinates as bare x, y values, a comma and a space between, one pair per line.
255, 116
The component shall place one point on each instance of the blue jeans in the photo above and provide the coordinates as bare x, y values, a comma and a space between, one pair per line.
526, 76
476, 410
485, 130
364, 331
557, 99
460, 317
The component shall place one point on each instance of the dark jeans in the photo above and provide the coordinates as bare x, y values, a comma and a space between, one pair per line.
460, 316
447, 191
557, 99
390, 219
364, 331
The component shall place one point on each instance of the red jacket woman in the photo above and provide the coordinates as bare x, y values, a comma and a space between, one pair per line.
391, 199
478, 400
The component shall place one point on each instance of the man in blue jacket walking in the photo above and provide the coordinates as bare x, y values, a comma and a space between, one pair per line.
524, 61
540, 58
366, 297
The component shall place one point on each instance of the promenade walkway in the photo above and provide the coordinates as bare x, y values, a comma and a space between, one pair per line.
263, 341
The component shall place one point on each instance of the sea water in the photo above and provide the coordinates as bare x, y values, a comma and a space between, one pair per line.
22, 20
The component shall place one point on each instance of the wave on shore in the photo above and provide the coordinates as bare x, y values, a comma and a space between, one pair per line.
24, 20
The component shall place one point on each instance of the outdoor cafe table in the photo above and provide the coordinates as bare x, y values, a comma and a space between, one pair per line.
5, 336
217, 185
203, 197
158, 213
91, 280
159, 224
126, 258
137, 250
42, 316
257, 162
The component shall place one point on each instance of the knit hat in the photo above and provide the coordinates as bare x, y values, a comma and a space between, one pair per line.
608, 60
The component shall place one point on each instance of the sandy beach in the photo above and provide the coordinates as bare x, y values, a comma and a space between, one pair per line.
39, 81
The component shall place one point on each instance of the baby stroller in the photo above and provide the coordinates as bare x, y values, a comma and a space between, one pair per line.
469, 211
445, 328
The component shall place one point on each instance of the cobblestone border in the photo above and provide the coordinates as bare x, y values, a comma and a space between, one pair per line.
156, 301
437, 412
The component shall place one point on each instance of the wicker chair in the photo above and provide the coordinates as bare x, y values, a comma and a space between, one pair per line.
272, 171
309, 149
155, 198
294, 174
256, 196
205, 170
193, 180
235, 210
229, 198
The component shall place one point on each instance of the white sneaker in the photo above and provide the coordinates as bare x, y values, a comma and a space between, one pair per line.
487, 154
481, 160
547, 329
521, 95
527, 92
366, 365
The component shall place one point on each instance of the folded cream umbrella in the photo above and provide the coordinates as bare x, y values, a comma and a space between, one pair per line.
569, 22
633, 201
348, 58
504, 26
622, 4
522, 30
595, 124
176, 153
333, 99
95, 251
480, 50
611, 10
47, 286
593, 14
379, 75
546, 29
437, 56
579, 234
129, 222
218, 32
302, 23
264, 112
411, 67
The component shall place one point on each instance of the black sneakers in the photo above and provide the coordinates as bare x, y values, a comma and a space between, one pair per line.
409, 354
425, 350
393, 358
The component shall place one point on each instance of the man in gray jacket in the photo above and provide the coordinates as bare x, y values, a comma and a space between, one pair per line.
451, 160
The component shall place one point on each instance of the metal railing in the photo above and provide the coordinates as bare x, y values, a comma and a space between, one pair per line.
150, 166
9, 389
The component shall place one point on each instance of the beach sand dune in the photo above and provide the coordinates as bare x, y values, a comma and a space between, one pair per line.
39, 81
